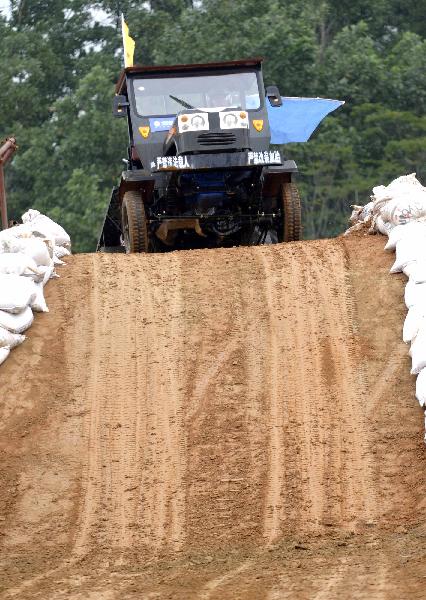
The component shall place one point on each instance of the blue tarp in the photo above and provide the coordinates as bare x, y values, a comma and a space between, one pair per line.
297, 118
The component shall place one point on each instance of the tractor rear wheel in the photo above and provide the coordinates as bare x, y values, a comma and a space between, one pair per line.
134, 223
292, 213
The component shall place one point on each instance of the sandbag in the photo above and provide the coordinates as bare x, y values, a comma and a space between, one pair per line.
402, 201
16, 323
403, 184
412, 322
421, 387
417, 272
45, 226
4, 353
39, 302
408, 249
17, 231
15, 263
415, 294
57, 261
412, 229
10, 339
407, 270
46, 274
16, 293
61, 251
382, 227
32, 247
418, 351
361, 213
404, 208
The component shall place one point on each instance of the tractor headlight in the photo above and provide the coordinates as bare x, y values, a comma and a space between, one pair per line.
233, 120
193, 122
230, 120
198, 121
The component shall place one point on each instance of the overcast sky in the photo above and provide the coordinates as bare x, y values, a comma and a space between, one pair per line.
4, 6
99, 15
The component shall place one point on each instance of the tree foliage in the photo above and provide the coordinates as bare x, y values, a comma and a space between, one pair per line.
59, 61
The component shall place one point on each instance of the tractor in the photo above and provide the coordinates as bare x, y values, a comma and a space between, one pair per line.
200, 169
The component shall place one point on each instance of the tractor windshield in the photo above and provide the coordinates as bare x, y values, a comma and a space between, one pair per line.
161, 96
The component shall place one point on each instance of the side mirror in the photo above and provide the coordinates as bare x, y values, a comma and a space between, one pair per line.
119, 106
273, 95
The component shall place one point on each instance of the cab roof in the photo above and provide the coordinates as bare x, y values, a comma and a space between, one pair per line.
169, 69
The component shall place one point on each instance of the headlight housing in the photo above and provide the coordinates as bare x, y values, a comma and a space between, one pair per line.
198, 121
234, 119
193, 122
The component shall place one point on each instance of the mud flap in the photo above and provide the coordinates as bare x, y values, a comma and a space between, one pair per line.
110, 238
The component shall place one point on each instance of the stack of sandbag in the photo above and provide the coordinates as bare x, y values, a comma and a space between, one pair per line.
398, 203
28, 255
399, 211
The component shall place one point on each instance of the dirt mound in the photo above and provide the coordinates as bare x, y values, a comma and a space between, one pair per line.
218, 424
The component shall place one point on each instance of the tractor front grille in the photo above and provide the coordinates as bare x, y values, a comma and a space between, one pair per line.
216, 139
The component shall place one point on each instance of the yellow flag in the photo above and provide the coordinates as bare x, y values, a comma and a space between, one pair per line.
128, 44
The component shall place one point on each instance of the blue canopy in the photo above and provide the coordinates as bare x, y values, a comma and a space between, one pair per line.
297, 118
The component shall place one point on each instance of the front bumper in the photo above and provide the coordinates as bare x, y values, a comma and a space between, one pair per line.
225, 160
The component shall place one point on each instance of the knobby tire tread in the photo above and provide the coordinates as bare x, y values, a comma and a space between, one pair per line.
136, 219
292, 228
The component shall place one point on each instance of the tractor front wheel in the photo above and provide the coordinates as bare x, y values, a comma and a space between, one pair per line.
291, 210
134, 223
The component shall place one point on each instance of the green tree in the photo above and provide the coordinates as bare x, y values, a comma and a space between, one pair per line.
74, 160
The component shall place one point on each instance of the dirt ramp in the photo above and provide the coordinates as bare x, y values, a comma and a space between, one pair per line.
233, 423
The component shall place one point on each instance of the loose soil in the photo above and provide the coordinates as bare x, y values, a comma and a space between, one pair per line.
216, 424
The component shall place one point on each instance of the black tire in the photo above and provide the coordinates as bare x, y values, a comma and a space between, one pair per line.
292, 213
134, 223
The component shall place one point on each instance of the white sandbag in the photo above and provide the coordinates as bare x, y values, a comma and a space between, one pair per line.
407, 270
412, 229
16, 293
417, 272
4, 353
361, 214
46, 227
421, 387
39, 302
418, 351
415, 294
17, 231
382, 227
403, 200
46, 274
57, 261
33, 247
408, 250
412, 323
394, 236
10, 339
15, 263
61, 251
404, 208
404, 184
17, 323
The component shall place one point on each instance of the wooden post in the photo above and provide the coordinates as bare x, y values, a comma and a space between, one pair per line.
3, 205
7, 149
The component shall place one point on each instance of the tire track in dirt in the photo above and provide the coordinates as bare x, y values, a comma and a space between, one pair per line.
134, 495
224, 414
315, 468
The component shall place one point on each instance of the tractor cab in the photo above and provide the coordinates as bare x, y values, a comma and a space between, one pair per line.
183, 110
200, 169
